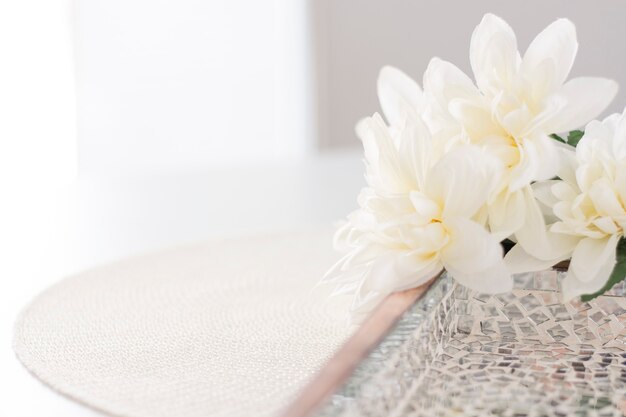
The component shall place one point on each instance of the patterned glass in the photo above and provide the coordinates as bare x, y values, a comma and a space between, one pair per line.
458, 352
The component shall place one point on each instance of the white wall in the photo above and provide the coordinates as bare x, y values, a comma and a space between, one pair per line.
357, 37
37, 102
191, 84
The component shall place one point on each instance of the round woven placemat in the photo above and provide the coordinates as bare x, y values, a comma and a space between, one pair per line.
230, 328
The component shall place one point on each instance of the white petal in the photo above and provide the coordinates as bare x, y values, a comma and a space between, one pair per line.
550, 112
525, 171
563, 190
493, 53
556, 43
586, 97
539, 161
444, 82
474, 258
516, 121
598, 137
549, 161
476, 118
385, 169
540, 84
367, 136
424, 206
362, 255
543, 192
569, 163
338, 274
590, 254
535, 237
399, 95
412, 272
573, 286
471, 248
619, 140
606, 225
416, 150
462, 181
381, 277
394, 271
506, 213
503, 148
620, 182
519, 261
605, 199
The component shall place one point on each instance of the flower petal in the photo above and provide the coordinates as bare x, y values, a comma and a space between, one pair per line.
385, 170
620, 182
506, 213
598, 138
474, 258
549, 161
590, 254
524, 172
425, 207
538, 161
569, 163
471, 247
399, 95
462, 181
573, 286
619, 141
519, 261
493, 53
556, 43
391, 272
475, 117
604, 198
444, 82
586, 97
411, 271
535, 237
416, 150
544, 193
563, 191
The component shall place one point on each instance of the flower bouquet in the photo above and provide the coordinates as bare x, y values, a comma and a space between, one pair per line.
508, 195
460, 170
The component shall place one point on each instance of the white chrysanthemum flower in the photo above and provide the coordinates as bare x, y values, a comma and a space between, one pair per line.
432, 187
418, 214
516, 103
586, 208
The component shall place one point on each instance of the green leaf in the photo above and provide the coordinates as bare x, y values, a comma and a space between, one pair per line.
574, 137
557, 138
618, 274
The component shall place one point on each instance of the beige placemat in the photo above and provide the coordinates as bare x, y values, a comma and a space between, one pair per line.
220, 329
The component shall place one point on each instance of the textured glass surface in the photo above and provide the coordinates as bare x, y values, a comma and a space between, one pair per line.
458, 352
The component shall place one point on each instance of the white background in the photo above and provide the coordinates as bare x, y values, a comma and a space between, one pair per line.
186, 84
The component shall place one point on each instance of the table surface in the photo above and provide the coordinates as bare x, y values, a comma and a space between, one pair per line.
52, 233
